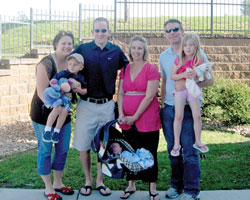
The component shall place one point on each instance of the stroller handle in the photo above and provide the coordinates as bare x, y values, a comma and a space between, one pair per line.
106, 132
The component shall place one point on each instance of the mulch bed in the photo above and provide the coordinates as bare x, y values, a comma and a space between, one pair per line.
17, 137
20, 136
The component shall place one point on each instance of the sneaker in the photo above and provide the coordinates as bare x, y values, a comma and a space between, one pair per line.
190, 197
55, 137
46, 136
172, 193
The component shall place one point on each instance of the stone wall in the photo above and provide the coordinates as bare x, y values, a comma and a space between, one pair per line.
17, 86
17, 76
229, 53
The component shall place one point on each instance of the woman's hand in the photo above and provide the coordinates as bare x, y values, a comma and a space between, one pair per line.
123, 119
131, 120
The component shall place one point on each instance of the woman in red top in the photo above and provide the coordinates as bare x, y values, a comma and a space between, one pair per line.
139, 111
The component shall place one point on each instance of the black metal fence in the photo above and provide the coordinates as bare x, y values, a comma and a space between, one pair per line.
201, 16
18, 36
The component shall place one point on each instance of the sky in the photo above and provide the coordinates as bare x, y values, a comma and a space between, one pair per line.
24, 6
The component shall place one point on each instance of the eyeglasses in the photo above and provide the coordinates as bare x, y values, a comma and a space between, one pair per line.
100, 30
173, 29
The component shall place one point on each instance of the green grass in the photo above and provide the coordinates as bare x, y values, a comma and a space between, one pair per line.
226, 166
16, 38
201, 24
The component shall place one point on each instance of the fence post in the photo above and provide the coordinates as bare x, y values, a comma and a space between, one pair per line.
0, 37
212, 17
126, 11
50, 11
31, 28
115, 16
80, 22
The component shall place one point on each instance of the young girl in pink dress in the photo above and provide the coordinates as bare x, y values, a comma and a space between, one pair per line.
139, 111
189, 57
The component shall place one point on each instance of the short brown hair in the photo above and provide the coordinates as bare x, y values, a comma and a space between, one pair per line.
101, 19
59, 36
173, 21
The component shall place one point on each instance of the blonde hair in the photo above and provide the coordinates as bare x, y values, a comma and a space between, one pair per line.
197, 57
144, 41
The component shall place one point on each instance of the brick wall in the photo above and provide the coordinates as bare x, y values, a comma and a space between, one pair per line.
229, 53
17, 84
17, 76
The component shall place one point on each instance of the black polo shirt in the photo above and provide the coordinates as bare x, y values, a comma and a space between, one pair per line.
100, 68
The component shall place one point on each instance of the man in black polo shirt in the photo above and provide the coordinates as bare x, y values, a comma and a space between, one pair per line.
102, 59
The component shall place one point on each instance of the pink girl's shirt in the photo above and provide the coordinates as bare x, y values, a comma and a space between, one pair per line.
187, 64
150, 119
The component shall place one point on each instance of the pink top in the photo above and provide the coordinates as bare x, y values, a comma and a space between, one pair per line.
187, 64
136, 90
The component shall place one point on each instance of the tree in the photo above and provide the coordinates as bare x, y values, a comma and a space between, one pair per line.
22, 16
245, 7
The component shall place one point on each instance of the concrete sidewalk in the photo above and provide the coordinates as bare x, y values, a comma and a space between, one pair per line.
35, 194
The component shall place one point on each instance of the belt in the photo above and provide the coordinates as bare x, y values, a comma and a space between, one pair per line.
134, 93
97, 101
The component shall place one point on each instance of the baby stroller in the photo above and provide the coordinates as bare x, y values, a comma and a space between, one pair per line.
114, 166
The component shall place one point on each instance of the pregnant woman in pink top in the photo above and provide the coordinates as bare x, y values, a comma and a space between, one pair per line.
139, 111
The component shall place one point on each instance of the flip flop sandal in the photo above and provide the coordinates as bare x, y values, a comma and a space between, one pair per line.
86, 187
175, 152
53, 196
202, 149
65, 190
153, 195
127, 192
103, 187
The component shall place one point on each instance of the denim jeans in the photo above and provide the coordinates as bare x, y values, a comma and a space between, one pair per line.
185, 169
44, 162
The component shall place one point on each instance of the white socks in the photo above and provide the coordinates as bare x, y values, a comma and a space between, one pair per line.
57, 130
47, 128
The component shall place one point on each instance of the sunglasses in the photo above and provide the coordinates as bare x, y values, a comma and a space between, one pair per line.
174, 30
100, 30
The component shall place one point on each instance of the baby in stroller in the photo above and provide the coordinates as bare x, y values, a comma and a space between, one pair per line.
116, 148
141, 156
117, 156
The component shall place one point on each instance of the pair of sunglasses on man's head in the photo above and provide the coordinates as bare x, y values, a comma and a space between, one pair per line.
176, 29
100, 30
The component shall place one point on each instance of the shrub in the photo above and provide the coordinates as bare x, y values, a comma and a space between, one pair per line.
227, 101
